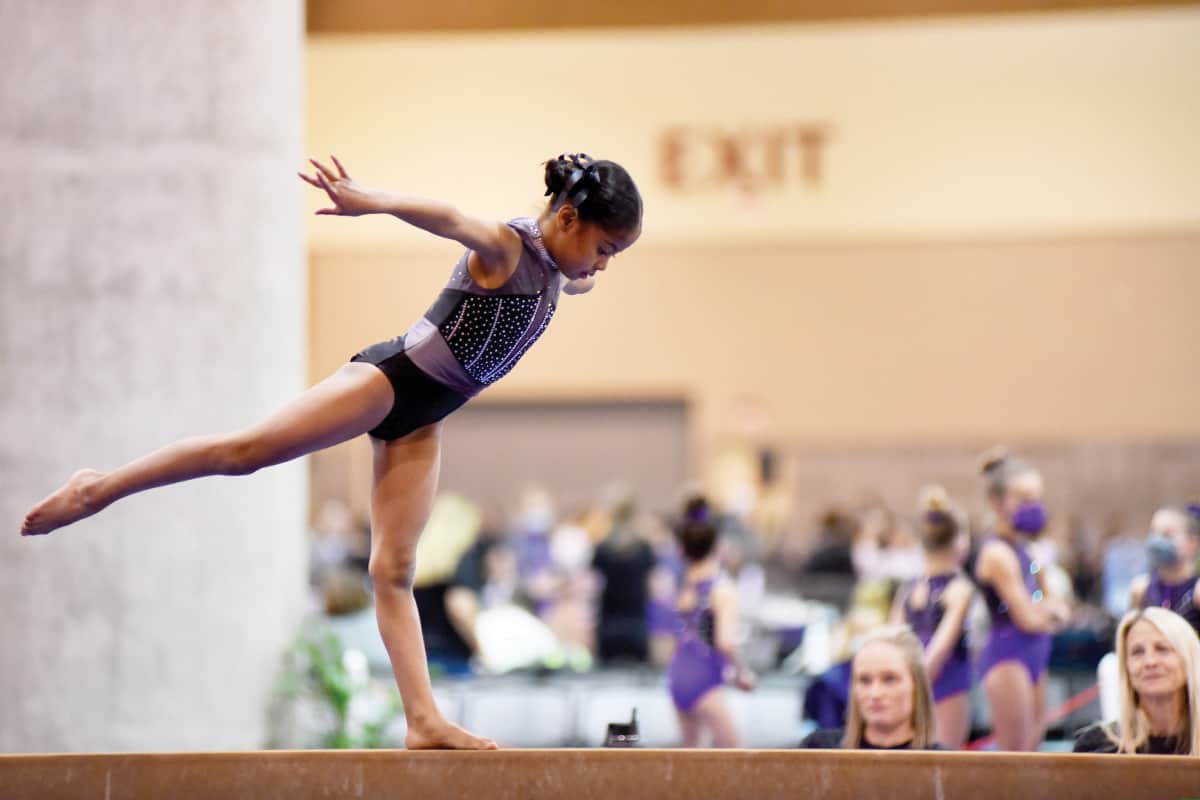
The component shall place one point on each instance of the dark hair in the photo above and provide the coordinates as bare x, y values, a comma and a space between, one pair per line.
838, 525
998, 469
601, 191
939, 526
697, 539
697, 509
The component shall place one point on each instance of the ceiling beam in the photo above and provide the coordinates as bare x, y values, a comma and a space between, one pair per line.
402, 16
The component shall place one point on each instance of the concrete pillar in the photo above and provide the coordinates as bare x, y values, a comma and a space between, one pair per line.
152, 286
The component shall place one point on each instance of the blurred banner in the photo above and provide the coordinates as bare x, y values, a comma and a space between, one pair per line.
1054, 123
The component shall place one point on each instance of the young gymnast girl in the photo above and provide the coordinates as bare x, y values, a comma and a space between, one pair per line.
935, 607
1171, 548
706, 653
1023, 614
500, 298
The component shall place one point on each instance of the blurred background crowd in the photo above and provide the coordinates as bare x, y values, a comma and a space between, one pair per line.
552, 593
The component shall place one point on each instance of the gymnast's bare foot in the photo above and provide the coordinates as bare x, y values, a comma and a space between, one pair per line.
442, 735
71, 503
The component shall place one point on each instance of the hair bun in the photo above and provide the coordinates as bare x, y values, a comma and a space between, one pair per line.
934, 498
566, 172
993, 459
602, 192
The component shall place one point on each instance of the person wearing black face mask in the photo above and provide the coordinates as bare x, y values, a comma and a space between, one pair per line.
1012, 666
1171, 550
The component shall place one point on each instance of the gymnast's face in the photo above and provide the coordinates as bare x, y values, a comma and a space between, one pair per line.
1172, 525
583, 249
1023, 489
1153, 666
883, 686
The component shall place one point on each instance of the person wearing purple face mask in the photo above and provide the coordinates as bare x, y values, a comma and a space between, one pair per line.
1171, 550
1012, 665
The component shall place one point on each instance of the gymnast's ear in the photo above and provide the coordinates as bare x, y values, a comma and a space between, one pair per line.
567, 216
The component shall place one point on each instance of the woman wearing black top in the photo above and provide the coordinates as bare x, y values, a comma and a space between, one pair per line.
1158, 656
891, 703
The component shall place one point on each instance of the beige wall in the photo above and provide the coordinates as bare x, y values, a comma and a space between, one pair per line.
1041, 339
915, 357
1004, 245
1046, 124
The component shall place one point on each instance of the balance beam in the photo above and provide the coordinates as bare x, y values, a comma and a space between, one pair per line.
600, 774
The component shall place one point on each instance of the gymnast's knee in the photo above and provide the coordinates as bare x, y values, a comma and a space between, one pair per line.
392, 570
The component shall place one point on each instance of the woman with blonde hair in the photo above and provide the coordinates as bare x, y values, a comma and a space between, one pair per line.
891, 702
1158, 655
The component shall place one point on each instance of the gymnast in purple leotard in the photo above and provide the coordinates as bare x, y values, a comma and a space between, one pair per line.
1171, 549
935, 608
1023, 614
705, 651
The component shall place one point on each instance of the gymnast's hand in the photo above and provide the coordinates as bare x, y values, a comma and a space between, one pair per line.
745, 679
349, 199
1059, 612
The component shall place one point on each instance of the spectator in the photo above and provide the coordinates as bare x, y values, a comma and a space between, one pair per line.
1158, 657
453, 527
337, 543
624, 561
828, 574
891, 703
885, 548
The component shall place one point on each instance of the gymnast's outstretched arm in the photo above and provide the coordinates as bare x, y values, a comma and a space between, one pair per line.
495, 246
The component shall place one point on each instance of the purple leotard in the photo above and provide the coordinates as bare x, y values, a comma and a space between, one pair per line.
1179, 597
1007, 642
955, 677
468, 339
696, 667
471, 337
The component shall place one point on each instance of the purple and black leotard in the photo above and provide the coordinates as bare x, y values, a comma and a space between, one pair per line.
955, 677
1179, 597
696, 667
1007, 642
468, 339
